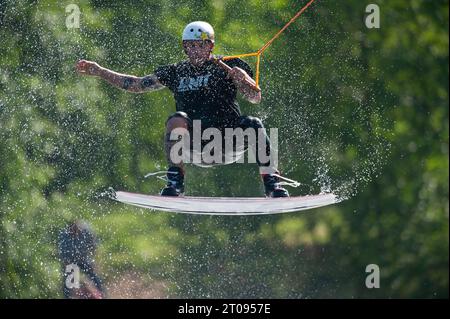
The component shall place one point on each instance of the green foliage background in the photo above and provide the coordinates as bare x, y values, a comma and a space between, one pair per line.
368, 106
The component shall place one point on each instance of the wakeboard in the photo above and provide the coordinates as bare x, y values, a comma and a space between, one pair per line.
225, 205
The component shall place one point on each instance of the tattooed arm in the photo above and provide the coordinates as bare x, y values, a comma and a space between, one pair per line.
131, 83
126, 82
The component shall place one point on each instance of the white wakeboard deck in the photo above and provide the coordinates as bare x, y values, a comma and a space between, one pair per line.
225, 205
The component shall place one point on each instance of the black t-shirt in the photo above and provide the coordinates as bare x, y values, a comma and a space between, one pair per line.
204, 92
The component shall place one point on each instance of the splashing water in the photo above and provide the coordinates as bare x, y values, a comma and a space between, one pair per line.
64, 139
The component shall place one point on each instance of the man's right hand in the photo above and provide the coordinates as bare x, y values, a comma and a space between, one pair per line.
85, 67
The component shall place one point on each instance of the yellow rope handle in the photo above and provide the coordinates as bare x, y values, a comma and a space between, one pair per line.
258, 60
265, 46
228, 68
230, 57
257, 54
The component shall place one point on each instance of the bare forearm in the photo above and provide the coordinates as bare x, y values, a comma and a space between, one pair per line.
130, 83
116, 79
249, 92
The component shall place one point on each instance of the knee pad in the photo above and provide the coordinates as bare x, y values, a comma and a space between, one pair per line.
181, 115
250, 121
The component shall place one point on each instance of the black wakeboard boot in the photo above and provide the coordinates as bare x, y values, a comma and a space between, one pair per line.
175, 182
272, 186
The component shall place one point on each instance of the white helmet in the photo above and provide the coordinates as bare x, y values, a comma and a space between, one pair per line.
198, 30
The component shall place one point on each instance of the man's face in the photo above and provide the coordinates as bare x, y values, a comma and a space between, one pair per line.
198, 51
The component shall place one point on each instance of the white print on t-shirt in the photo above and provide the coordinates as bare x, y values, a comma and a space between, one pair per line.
194, 83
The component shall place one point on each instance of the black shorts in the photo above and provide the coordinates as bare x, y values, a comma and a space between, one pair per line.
233, 152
